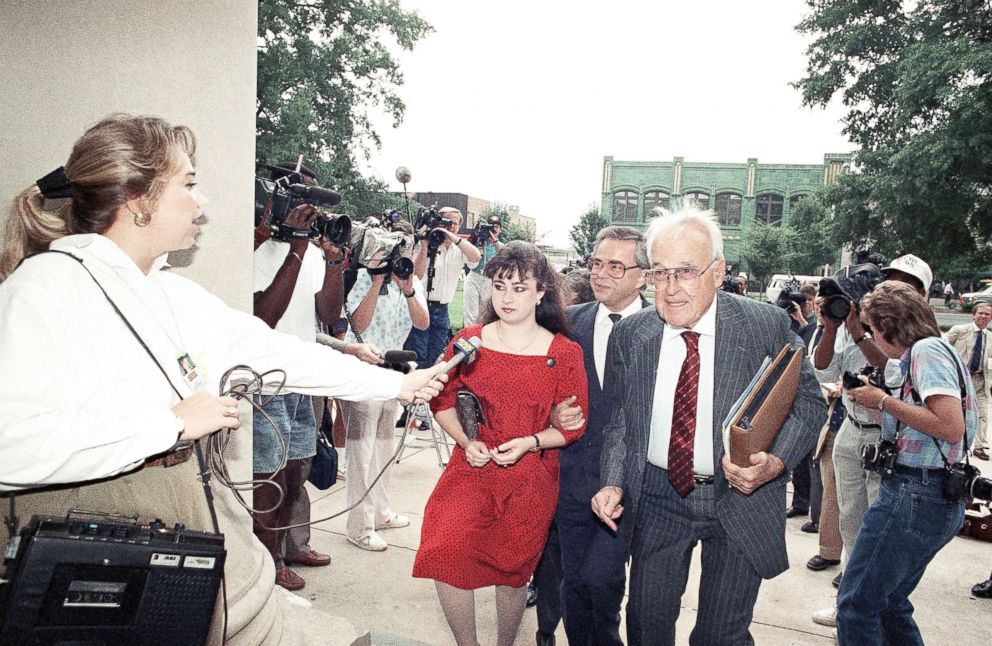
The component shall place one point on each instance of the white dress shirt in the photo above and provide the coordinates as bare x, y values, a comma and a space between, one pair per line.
80, 397
670, 360
447, 272
601, 333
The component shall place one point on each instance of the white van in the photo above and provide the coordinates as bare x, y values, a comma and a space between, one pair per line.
778, 281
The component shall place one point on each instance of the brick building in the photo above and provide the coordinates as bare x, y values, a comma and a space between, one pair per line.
740, 194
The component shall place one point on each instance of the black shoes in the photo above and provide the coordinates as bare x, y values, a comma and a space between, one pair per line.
836, 581
792, 512
810, 528
983, 590
818, 563
545, 639
532, 601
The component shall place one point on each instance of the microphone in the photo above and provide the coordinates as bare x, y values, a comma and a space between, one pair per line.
316, 193
464, 349
403, 174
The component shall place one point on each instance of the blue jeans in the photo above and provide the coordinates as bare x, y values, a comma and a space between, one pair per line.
295, 422
902, 532
429, 344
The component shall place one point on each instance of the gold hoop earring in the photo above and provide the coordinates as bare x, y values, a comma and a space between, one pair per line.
142, 219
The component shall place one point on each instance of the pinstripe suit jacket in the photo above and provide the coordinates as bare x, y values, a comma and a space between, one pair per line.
746, 332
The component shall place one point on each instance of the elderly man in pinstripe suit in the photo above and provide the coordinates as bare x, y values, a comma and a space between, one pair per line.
673, 374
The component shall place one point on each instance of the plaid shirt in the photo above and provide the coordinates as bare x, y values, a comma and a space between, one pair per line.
931, 366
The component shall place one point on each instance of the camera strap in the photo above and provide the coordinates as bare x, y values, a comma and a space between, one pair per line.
919, 402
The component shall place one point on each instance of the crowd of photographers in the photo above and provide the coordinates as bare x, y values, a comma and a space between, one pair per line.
395, 283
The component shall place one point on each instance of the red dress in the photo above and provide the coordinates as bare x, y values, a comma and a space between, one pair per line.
487, 526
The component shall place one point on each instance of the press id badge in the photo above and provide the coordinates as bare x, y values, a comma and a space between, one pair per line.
190, 374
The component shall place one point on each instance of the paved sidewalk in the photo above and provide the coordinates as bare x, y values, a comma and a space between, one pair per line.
376, 592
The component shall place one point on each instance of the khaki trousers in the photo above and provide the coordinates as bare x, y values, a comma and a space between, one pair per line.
831, 541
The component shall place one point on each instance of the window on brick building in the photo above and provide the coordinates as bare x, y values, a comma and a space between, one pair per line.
625, 206
794, 200
653, 200
768, 209
728, 209
696, 199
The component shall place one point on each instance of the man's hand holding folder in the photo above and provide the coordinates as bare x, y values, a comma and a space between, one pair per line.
756, 419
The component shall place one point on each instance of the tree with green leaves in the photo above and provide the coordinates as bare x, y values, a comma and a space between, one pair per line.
762, 249
916, 79
806, 242
511, 231
323, 66
583, 234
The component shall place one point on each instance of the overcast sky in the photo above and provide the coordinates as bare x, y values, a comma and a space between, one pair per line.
518, 102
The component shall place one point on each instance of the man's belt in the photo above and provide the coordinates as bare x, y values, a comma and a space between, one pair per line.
171, 459
436, 304
863, 426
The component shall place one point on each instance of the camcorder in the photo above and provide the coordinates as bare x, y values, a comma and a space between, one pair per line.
849, 285
367, 241
430, 218
287, 189
790, 297
730, 284
483, 233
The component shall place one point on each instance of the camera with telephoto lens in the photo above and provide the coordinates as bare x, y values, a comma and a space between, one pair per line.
430, 218
366, 242
287, 189
849, 285
964, 482
875, 377
880, 457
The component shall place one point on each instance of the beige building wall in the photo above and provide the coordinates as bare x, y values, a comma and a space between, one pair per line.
68, 63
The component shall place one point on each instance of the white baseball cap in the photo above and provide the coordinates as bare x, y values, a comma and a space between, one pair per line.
914, 266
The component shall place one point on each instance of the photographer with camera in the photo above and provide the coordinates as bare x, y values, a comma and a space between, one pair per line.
849, 348
477, 287
298, 279
928, 423
440, 257
382, 308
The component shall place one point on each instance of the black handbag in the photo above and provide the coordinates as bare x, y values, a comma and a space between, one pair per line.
324, 468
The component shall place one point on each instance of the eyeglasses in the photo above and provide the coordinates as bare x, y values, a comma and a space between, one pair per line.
682, 275
614, 268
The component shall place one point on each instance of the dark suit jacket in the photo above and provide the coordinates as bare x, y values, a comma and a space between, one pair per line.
580, 460
746, 332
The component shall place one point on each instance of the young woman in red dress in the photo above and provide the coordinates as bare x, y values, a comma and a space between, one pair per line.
488, 518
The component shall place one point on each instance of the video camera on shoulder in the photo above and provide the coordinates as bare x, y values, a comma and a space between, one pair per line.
289, 186
790, 297
432, 219
849, 285
367, 241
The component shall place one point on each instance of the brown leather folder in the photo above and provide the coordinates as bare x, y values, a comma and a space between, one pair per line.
757, 422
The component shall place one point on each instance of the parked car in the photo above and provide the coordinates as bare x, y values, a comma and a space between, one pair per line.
969, 300
778, 281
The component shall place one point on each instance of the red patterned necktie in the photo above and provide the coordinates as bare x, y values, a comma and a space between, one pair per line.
680, 460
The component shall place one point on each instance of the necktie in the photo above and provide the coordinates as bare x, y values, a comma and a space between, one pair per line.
614, 318
680, 460
975, 365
